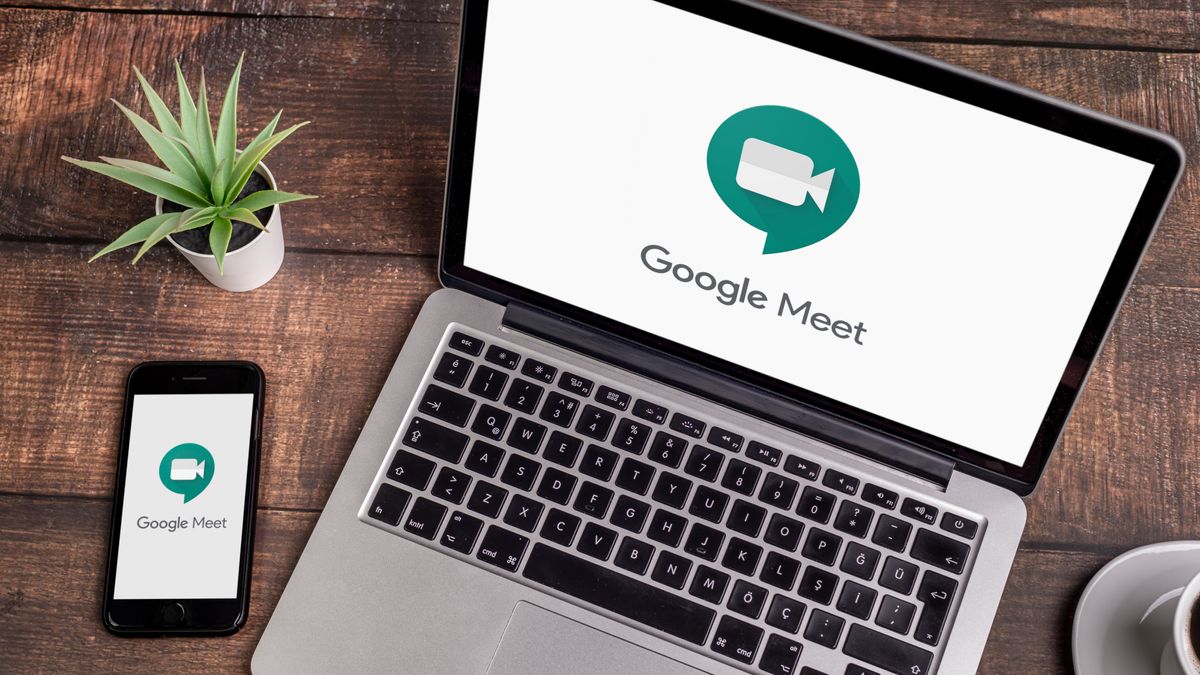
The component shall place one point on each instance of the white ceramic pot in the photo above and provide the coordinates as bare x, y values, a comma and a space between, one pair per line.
250, 266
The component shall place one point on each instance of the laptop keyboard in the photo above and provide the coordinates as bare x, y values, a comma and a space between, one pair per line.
677, 523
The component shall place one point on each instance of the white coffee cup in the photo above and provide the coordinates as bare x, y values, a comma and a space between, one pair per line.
1180, 656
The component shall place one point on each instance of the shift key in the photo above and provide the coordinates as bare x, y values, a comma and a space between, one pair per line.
435, 439
884, 651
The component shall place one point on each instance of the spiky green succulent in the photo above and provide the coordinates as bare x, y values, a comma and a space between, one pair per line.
203, 174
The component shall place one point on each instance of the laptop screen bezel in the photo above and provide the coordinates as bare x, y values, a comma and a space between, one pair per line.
1001, 97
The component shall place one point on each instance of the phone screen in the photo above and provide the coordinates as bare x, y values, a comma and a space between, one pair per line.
185, 496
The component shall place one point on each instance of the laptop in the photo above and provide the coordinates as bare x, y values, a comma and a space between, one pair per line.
754, 334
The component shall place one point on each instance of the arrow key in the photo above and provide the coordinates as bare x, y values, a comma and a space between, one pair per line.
780, 655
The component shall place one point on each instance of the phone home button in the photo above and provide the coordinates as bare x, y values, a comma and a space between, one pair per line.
173, 613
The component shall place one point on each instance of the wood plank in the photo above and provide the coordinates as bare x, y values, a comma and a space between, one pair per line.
53, 552
379, 95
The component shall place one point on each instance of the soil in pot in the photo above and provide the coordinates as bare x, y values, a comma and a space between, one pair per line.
197, 239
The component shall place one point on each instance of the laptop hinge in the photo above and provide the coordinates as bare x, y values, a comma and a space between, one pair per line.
725, 390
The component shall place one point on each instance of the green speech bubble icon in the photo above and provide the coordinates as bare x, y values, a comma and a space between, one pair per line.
187, 469
784, 172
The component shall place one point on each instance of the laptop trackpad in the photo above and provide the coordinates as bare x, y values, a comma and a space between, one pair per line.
539, 641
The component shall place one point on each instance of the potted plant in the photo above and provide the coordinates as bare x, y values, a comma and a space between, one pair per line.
216, 204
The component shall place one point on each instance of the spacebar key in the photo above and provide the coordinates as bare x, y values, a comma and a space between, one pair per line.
886, 652
618, 593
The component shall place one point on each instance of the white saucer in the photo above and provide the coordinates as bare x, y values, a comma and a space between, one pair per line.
1123, 619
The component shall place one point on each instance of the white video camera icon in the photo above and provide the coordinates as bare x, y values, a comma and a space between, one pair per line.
186, 469
781, 174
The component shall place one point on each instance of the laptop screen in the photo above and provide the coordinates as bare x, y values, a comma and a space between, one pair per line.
901, 252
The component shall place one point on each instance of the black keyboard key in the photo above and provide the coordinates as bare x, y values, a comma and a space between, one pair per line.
388, 505
817, 585
784, 532
560, 527
526, 435
487, 499
411, 470
502, 548
666, 527
667, 449
424, 518
687, 425
895, 614
709, 584
446, 405
520, 472
484, 458
466, 343
824, 628
963, 527
940, 551
503, 356
635, 476
556, 486
671, 570
821, 546
452, 369
523, 513
780, 656
524, 396
650, 412
746, 518
741, 556
576, 384
709, 504
873, 494
741, 477
597, 541
855, 669
451, 485
747, 599
704, 542
559, 409
763, 453
488, 383
854, 519
843, 483
461, 532
631, 436
725, 439
883, 651
634, 556
919, 511
860, 560
598, 462
898, 575
618, 593
816, 505
562, 449
595, 422
671, 490
612, 398
593, 499
804, 468
539, 371
780, 571
736, 639
436, 440
937, 592
856, 600
704, 463
491, 422
630, 514
891, 533
778, 491
785, 613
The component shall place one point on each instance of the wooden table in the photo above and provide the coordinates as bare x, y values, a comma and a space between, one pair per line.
376, 80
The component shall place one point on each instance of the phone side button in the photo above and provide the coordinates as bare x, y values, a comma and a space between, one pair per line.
173, 614
389, 504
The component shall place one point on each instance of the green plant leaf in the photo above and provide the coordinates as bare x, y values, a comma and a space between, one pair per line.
218, 241
167, 150
248, 161
142, 182
135, 234
187, 108
264, 198
236, 186
166, 227
220, 181
204, 140
198, 221
156, 172
226, 147
162, 114
245, 216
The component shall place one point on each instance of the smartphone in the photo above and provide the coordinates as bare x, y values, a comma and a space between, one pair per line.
183, 509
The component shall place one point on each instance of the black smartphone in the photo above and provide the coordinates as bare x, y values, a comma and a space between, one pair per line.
183, 509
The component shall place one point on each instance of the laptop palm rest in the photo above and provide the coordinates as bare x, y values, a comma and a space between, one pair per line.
538, 641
